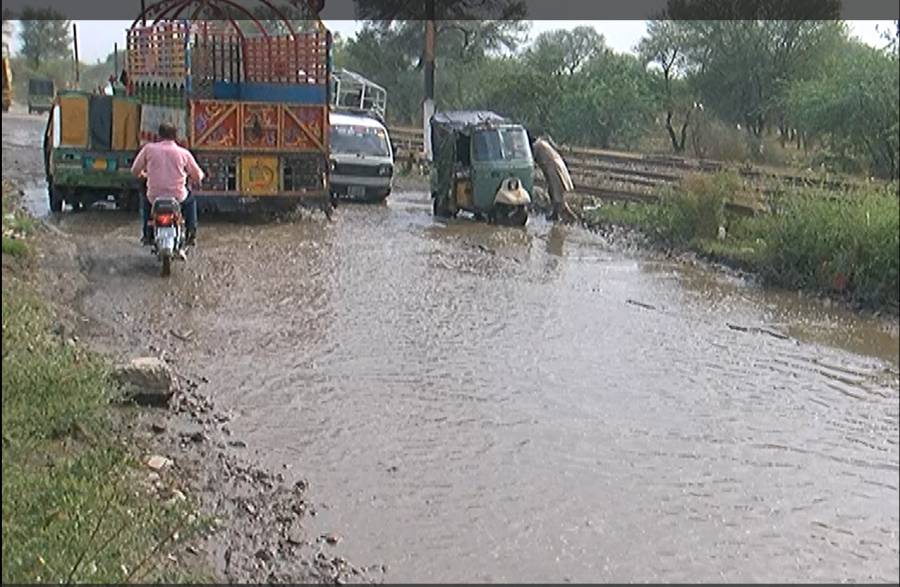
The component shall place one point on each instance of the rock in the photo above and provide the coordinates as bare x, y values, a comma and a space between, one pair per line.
265, 555
149, 380
158, 463
197, 436
295, 535
157, 428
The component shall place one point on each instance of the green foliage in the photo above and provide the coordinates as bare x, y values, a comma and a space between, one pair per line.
847, 243
393, 10
695, 209
45, 35
61, 71
843, 244
74, 509
853, 104
740, 69
70, 511
14, 247
16, 226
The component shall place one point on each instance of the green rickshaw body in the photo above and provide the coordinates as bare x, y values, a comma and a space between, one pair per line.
482, 163
490, 165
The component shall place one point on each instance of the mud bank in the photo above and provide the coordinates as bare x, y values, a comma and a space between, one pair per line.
261, 526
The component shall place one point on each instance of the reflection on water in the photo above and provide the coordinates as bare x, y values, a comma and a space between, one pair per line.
478, 403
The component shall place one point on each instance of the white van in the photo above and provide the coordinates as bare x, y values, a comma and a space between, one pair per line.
362, 158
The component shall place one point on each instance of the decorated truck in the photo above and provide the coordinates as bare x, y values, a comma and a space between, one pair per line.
250, 97
90, 142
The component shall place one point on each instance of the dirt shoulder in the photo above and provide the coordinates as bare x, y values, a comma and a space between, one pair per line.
263, 525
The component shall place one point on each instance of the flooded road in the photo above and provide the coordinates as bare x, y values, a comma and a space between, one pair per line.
481, 404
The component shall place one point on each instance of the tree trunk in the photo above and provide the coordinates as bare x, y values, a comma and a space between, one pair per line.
684, 130
672, 137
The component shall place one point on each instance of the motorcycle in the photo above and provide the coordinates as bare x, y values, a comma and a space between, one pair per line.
169, 236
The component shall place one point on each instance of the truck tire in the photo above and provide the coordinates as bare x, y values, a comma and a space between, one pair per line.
56, 198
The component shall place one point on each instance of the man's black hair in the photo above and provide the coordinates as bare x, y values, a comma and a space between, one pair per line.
167, 131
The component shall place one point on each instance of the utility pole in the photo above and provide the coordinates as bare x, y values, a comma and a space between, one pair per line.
77, 66
428, 105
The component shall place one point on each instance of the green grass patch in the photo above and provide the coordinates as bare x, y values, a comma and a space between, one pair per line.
73, 506
17, 226
14, 246
76, 504
845, 243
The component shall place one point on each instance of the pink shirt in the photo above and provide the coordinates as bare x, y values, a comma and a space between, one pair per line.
168, 166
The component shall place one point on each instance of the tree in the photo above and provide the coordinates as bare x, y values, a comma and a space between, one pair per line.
45, 35
432, 12
741, 56
664, 46
390, 54
388, 11
853, 104
8, 29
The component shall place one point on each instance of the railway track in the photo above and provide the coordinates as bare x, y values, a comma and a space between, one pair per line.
622, 176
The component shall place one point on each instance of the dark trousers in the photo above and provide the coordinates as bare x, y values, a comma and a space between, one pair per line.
188, 210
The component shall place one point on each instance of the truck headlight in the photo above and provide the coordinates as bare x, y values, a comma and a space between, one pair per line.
385, 170
332, 166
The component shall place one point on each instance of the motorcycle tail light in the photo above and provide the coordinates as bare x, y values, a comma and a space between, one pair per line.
164, 220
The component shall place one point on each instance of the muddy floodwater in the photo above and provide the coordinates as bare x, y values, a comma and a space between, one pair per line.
486, 404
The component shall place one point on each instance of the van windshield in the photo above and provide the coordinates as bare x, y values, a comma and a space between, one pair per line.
500, 144
359, 140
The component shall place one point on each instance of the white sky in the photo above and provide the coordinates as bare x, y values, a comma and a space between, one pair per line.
97, 37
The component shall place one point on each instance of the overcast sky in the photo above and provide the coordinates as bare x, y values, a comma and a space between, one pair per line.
97, 37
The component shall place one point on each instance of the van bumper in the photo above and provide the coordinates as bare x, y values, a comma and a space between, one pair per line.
360, 188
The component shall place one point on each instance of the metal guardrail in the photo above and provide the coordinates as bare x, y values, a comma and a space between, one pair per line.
615, 175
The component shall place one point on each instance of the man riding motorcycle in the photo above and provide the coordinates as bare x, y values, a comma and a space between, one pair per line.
167, 168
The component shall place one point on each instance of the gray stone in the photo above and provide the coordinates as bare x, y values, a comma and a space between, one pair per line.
148, 380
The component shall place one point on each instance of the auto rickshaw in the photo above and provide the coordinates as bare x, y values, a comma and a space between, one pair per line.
483, 165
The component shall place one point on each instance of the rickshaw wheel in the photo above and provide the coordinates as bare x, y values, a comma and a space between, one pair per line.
440, 211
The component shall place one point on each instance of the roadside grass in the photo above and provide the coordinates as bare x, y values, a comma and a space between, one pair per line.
16, 227
843, 244
76, 506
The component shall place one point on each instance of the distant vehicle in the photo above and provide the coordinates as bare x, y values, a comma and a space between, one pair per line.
7, 85
90, 142
41, 92
483, 164
354, 92
362, 159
